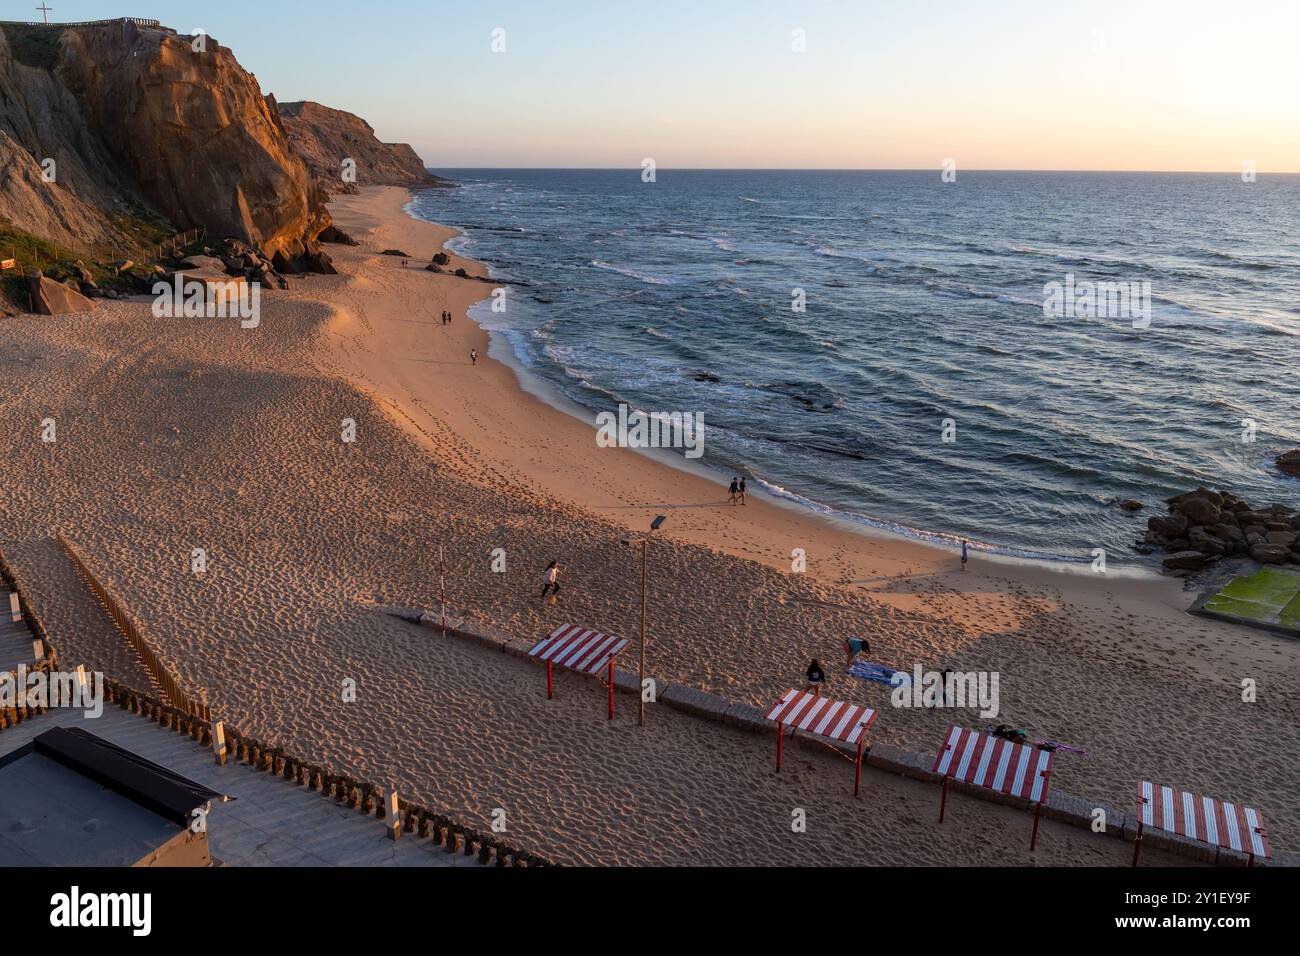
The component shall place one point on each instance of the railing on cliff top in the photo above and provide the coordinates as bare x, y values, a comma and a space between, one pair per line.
138, 21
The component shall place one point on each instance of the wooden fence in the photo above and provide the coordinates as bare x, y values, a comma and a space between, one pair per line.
158, 671
138, 21
168, 247
10, 577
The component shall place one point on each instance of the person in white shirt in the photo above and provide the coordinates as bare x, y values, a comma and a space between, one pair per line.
551, 579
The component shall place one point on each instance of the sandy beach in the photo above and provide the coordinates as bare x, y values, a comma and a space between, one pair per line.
176, 434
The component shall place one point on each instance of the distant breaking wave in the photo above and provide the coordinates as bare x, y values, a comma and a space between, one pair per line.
630, 273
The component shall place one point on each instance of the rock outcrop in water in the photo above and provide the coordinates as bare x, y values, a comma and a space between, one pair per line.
1203, 526
142, 123
333, 142
1289, 463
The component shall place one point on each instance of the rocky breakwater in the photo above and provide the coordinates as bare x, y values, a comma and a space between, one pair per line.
1203, 526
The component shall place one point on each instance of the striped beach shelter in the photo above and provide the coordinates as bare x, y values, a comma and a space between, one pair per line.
1017, 770
579, 649
822, 717
1201, 818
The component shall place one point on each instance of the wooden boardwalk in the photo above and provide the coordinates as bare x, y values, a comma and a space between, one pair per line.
272, 822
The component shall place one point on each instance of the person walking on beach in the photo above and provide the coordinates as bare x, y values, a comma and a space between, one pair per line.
551, 580
742, 489
965, 555
473, 356
734, 491
816, 678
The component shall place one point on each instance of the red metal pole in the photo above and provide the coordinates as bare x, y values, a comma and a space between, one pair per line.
857, 774
611, 688
943, 800
550, 682
780, 734
1033, 840
1137, 844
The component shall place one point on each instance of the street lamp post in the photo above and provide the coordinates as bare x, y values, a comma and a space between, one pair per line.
645, 576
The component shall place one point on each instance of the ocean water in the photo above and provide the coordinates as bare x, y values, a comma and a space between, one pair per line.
924, 303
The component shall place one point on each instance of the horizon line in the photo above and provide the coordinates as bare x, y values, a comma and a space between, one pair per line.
865, 169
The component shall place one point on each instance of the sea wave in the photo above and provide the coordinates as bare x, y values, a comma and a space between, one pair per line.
630, 273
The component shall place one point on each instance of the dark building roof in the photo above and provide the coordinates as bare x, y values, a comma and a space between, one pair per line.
72, 798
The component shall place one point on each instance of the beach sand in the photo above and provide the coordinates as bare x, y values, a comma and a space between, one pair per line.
175, 434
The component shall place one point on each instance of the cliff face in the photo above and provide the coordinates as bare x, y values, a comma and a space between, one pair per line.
137, 115
325, 138
47, 209
41, 120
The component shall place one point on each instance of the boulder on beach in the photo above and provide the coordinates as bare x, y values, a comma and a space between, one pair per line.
441, 259
1202, 492
1199, 509
1186, 561
1269, 554
1228, 532
1168, 526
54, 298
1206, 543
337, 236
319, 262
204, 263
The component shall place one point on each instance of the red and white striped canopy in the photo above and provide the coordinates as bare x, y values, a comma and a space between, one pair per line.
822, 716
577, 648
1203, 818
995, 764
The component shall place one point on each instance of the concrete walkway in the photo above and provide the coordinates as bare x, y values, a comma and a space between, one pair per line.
15, 637
272, 822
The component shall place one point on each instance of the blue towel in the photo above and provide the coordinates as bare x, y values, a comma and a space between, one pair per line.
865, 670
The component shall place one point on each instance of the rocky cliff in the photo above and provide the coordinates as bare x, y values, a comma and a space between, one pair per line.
141, 122
327, 139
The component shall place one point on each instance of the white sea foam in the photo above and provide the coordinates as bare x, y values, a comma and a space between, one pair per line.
630, 273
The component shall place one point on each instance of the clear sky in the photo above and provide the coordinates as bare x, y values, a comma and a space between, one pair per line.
991, 84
